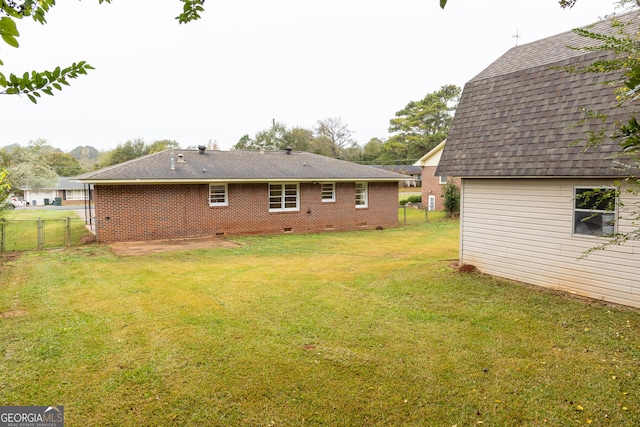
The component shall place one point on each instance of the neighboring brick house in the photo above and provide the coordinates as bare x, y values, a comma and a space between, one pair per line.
432, 184
188, 193
513, 143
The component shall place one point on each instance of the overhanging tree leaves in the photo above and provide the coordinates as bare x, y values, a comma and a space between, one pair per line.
624, 44
35, 83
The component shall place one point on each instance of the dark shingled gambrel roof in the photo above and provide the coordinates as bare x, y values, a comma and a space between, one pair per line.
520, 116
235, 166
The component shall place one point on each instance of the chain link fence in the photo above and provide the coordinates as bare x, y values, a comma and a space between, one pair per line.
30, 234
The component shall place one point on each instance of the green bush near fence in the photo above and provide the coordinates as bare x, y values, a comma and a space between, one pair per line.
414, 199
21, 230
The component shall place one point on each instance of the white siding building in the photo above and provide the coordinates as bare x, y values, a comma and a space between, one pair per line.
518, 143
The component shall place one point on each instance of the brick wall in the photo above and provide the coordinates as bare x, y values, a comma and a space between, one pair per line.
150, 212
431, 187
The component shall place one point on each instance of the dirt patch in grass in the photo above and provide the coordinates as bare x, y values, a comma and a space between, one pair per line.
12, 313
168, 245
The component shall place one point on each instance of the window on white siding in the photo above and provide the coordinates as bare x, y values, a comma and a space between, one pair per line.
361, 195
218, 195
442, 179
594, 211
328, 192
284, 197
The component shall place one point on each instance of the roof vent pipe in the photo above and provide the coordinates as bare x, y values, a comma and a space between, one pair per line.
288, 150
201, 148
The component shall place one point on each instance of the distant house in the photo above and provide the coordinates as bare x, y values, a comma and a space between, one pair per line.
432, 184
413, 173
185, 193
512, 143
66, 190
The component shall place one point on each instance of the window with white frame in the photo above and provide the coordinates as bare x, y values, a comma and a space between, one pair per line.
442, 179
218, 195
361, 195
594, 211
76, 195
284, 197
328, 191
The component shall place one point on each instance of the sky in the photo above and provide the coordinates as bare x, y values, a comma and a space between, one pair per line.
247, 62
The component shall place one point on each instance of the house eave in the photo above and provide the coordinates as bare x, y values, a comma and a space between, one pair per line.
227, 180
542, 177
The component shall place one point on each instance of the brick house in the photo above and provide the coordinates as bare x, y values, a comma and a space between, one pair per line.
188, 193
432, 184
514, 143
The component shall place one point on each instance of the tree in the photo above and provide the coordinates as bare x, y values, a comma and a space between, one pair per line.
86, 155
28, 167
64, 164
299, 139
277, 137
372, 150
423, 124
161, 145
333, 135
36, 83
5, 189
130, 150
451, 195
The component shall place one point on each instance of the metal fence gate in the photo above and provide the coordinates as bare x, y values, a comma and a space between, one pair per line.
19, 235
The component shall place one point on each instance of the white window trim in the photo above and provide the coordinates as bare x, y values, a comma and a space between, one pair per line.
226, 195
282, 198
365, 186
442, 179
613, 215
333, 192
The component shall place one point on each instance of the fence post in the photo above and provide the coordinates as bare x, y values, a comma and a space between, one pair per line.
2, 243
40, 234
68, 235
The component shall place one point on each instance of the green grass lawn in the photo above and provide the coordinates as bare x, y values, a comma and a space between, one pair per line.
370, 328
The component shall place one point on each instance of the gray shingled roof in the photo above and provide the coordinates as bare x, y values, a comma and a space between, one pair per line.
519, 116
235, 166
403, 169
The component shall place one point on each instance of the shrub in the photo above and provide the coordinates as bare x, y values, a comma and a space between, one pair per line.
451, 199
415, 198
